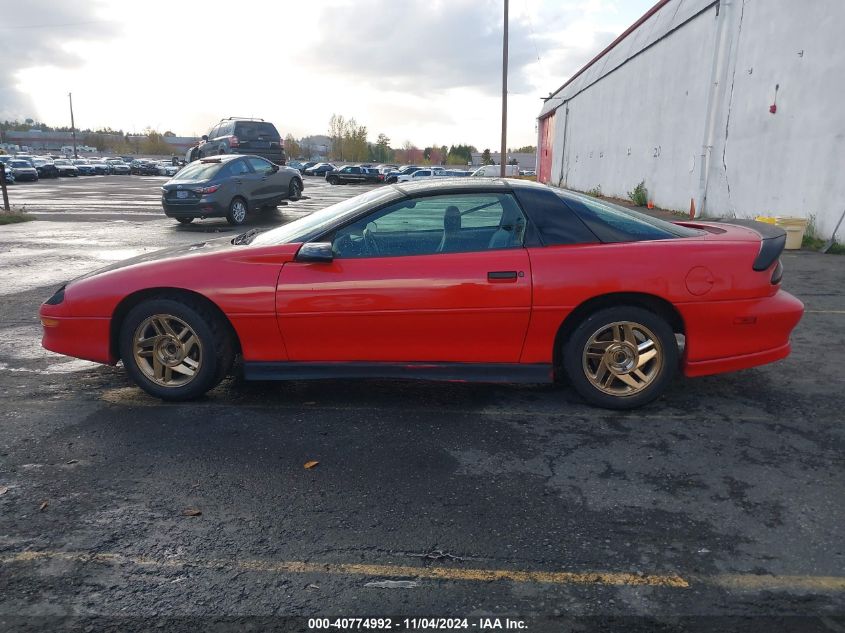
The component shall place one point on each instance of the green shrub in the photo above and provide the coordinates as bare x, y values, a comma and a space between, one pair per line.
639, 195
595, 191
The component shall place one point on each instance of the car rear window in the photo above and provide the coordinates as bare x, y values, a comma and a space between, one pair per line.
256, 131
613, 223
199, 171
20, 163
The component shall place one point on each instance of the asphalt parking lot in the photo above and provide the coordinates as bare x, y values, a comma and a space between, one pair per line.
724, 500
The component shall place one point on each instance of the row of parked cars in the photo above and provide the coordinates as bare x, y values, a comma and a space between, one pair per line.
392, 173
26, 167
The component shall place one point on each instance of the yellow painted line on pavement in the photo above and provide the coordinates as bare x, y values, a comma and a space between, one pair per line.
359, 569
762, 582
732, 582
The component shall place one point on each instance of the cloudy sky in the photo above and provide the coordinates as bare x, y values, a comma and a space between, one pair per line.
424, 71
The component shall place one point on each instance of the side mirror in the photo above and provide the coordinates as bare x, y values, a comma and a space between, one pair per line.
204, 137
315, 252
274, 168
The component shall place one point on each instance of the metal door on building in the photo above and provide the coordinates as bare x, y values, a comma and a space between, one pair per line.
547, 135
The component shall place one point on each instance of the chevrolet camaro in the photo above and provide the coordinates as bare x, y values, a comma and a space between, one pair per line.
457, 279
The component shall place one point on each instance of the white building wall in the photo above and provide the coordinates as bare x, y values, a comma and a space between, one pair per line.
641, 111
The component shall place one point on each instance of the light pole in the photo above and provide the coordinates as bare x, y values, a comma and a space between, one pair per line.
503, 154
73, 127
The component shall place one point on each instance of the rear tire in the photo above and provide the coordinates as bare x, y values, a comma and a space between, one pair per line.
175, 349
237, 211
184, 220
621, 357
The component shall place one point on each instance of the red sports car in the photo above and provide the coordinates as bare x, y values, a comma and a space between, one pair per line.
464, 279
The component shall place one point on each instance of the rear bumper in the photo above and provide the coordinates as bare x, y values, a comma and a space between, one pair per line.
731, 335
273, 155
201, 208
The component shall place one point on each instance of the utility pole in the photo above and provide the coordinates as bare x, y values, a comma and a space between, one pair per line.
72, 126
503, 157
3, 187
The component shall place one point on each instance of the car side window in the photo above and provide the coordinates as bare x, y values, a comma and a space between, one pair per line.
452, 223
233, 168
259, 165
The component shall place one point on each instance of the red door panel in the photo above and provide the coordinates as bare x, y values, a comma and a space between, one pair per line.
418, 308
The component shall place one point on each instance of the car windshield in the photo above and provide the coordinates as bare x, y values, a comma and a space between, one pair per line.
62, 162
20, 163
295, 230
627, 221
199, 170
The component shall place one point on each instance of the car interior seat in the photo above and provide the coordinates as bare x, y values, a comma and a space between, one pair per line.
451, 230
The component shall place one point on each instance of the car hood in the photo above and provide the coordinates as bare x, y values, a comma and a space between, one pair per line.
189, 250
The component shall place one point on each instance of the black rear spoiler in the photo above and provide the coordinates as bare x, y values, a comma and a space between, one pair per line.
772, 242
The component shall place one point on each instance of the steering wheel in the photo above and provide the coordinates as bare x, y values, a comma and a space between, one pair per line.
370, 243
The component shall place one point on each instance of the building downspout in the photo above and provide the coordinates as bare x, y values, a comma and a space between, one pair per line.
562, 180
721, 46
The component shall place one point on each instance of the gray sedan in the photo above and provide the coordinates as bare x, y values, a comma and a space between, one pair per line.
228, 186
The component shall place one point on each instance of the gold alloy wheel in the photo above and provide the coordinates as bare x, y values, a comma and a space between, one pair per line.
622, 358
167, 350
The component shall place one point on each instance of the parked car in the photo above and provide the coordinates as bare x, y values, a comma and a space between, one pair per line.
45, 167
101, 167
353, 174
243, 136
307, 165
420, 174
295, 164
83, 167
393, 176
167, 168
454, 279
143, 167
495, 171
118, 167
528, 172
65, 167
22, 170
228, 186
320, 169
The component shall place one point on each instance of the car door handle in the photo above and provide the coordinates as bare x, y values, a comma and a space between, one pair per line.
502, 275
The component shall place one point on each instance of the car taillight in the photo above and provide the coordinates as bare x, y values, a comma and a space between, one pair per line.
233, 141
777, 273
204, 190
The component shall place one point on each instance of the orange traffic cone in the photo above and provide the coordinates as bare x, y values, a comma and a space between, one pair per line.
650, 204
692, 208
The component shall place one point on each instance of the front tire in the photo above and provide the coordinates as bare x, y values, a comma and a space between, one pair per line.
175, 350
184, 220
621, 358
332, 180
295, 189
237, 211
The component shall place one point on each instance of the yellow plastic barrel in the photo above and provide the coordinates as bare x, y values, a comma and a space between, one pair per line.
794, 228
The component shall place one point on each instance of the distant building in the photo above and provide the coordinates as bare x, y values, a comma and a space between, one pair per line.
735, 105
525, 161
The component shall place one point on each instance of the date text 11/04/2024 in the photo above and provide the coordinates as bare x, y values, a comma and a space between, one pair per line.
416, 623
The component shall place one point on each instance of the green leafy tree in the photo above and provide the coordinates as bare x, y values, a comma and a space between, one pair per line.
383, 153
485, 157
